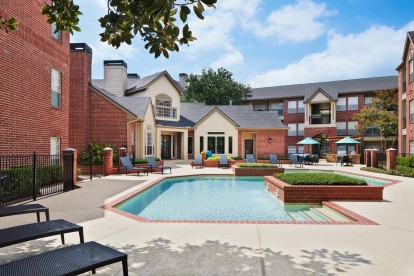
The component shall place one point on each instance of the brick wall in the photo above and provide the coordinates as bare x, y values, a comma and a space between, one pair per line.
409, 97
27, 119
263, 147
347, 115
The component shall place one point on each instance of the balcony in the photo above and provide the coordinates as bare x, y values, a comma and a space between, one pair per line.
372, 131
404, 123
318, 119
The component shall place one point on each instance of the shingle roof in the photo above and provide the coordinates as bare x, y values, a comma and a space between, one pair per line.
332, 88
135, 105
138, 84
411, 35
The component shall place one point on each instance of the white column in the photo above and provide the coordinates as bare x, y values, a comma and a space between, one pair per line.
184, 150
158, 143
333, 112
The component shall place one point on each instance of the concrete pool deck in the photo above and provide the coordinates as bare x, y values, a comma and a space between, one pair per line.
234, 249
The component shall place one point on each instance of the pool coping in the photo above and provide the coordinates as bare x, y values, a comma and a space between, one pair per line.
356, 218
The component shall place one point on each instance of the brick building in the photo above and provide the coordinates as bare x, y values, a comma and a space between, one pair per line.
34, 82
323, 111
406, 97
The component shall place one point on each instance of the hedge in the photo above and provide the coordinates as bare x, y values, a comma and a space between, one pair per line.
405, 161
318, 179
217, 158
399, 170
144, 161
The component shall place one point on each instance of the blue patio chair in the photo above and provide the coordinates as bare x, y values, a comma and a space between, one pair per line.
154, 166
250, 158
294, 160
273, 160
198, 161
223, 161
127, 165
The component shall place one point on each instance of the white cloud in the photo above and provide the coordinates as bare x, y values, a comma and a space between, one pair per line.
231, 58
297, 22
366, 54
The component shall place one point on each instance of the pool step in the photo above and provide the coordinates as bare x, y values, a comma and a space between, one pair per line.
298, 216
331, 214
315, 215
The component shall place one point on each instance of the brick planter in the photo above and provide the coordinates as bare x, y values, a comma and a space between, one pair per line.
317, 193
262, 161
211, 163
256, 171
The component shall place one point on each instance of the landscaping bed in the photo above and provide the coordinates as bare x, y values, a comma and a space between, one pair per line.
255, 169
325, 188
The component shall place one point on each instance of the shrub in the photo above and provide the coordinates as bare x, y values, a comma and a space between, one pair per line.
318, 179
263, 158
405, 161
217, 158
283, 158
399, 170
372, 169
144, 161
238, 158
255, 165
97, 154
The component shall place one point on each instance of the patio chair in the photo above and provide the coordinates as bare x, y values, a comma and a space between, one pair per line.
70, 260
223, 161
250, 158
314, 159
294, 160
24, 209
154, 166
127, 165
273, 160
198, 161
346, 160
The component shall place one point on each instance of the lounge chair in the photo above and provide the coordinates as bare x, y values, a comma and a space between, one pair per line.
198, 161
250, 158
127, 165
24, 209
294, 160
70, 260
223, 161
33, 231
273, 160
154, 166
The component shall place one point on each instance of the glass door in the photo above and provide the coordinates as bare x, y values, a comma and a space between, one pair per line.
165, 146
248, 146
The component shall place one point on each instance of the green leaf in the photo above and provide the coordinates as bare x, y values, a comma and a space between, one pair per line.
198, 12
184, 11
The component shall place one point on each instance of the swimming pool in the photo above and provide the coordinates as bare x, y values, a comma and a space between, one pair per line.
219, 198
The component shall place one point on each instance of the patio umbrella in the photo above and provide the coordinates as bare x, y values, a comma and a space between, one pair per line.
348, 140
308, 141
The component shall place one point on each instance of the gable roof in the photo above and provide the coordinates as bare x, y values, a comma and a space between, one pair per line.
216, 110
319, 90
139, 85
409, 39
332, 88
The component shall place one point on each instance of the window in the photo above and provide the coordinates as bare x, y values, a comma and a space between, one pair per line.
341, 128
149, 148
301, 107
411, 111
260, 106
163, 107
201, 143
411, 64
352, 103
341, 149
341, 104
54, 150
57, 35
301, 129
291, 107
352, 128
277, 106
292, 150
301, 149
215, 142
411, 148
230, 144
368, 101
56, 80
292, 130
190, 145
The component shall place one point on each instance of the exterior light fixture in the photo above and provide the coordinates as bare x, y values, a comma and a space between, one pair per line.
269, 140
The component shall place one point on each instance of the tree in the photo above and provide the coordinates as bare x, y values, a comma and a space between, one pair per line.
215, 88
154, 20
381, 115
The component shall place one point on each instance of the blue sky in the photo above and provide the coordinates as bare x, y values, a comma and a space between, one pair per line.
273, 42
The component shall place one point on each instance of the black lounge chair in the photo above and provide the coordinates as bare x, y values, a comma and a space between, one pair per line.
71, 260
24, 209
250, 158
223, 162
127, 165
154, 166
294, 160
33, 231
198, 161
274, 160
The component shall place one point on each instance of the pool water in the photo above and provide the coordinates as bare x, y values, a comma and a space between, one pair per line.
217, 198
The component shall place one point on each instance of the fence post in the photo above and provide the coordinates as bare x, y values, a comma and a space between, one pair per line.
34, 176
69, 169
374, 158
391, 159
367, 157
108, 161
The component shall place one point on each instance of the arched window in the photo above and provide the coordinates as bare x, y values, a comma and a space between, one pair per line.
163, 107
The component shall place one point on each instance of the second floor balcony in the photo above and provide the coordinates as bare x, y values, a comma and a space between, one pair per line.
317, 119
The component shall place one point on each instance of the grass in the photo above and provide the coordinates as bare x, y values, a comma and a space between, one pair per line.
254, 165
399, 170
318, 179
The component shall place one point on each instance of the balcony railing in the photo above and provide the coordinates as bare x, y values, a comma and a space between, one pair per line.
372, 131
404, 87
317, 119
404, 123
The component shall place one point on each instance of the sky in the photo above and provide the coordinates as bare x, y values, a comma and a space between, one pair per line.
272, 42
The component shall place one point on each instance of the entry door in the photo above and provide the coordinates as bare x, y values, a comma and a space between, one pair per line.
248, 146
165, 146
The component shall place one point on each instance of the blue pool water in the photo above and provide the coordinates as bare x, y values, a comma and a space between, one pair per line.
214, 198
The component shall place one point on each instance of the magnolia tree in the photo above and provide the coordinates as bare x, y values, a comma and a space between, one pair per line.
154, 20
382, 114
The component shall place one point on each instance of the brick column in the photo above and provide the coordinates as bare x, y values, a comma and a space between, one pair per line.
374, 158
121, 153
69, 168
391, 159
108, 161
367, 157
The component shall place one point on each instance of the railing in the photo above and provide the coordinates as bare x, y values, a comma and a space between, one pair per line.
28, 177
317, 119
372, 131
404, 122
404, 87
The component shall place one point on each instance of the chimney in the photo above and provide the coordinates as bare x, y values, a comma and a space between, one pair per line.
133, 76
115, 76
183, 77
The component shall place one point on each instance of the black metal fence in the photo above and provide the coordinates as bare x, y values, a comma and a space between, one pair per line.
28, 177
